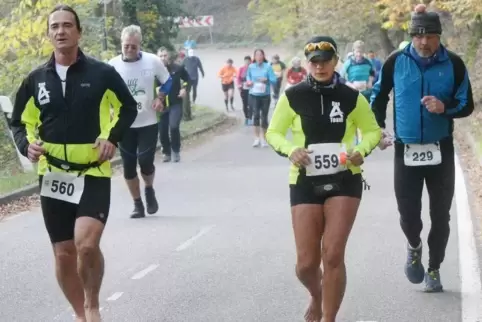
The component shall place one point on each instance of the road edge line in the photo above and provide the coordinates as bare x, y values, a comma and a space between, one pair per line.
471, 289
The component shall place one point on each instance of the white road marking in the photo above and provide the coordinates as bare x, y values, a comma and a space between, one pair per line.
191, 240
144, 272
468, 258
115, 296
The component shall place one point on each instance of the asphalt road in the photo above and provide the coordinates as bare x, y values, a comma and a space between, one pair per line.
221, 249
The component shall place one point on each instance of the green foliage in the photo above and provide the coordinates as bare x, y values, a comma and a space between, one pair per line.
25, 44
156, 20
8, 154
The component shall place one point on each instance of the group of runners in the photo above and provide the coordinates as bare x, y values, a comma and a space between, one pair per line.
62, 120
258, 82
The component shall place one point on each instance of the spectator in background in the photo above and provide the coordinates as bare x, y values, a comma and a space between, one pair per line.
376, 63
244, 89
193, 65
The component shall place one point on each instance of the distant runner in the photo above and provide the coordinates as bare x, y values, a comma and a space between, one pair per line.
296, 74
193, 65
171, 116
228, 75
140, 70
244, 90
278, 68
358, 70
325, 176
260, 78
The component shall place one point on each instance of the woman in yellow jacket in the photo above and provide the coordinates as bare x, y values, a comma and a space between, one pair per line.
325, 176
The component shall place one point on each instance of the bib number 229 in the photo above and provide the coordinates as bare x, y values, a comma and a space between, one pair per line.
422, 156
417, 155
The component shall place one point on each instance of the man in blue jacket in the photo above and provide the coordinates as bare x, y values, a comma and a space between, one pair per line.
431, 88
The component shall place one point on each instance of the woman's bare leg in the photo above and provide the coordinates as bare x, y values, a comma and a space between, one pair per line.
308, 229
340, 213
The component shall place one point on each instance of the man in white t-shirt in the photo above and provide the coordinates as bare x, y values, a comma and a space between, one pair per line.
140, 70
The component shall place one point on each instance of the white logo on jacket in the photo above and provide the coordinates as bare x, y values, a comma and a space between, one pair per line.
336, 115
43, 96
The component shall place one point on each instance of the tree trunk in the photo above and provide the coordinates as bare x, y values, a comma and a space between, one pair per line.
385, 41
9, 160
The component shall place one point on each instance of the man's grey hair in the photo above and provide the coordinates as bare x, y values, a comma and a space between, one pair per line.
359, 45
132, 30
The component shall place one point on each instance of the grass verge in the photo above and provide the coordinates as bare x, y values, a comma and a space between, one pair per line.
18, 181
203, 118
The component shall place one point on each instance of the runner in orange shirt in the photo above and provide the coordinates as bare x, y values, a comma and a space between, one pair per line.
228, 75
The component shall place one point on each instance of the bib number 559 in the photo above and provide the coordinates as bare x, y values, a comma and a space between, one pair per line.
326, 161
62, 188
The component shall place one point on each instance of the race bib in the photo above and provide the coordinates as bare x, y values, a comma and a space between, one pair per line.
141, 102
259, 88
63, 186
325, 159
417, 155
359, 85
278, 74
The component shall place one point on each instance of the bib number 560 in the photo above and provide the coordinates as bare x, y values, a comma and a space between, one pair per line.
326, 161
62, 188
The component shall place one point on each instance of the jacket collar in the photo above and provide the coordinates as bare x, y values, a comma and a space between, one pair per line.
81, 58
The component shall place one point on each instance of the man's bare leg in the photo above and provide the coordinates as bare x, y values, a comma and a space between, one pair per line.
88, 232
340, 214
134, 188
308, 230
68, 278
148, 180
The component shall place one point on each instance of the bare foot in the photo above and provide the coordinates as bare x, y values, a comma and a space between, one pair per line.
92, 315
313, 313
79, 319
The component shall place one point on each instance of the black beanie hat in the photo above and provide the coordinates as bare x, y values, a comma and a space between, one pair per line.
424, 22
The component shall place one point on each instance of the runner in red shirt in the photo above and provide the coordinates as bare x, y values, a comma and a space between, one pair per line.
296, 73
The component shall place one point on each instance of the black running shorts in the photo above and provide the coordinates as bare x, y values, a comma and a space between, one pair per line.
350, 186
60, 216
227, 87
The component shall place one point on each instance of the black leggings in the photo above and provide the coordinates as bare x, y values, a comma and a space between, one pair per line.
139, 145
277, 88
169, 124
440, 181
245, 98
194, 83
260, 109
